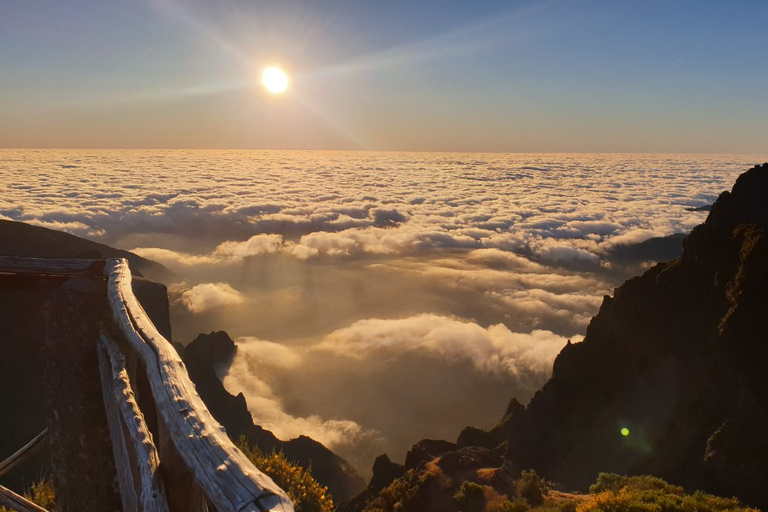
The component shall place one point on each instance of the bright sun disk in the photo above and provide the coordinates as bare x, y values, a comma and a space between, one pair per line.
275, 80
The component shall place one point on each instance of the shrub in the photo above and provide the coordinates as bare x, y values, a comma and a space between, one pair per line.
531, 487
43, 494
519, 505
615, 493
307, 495
399, 496
471, 495
614, 483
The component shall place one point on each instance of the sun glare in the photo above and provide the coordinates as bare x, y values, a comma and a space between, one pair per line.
275, 80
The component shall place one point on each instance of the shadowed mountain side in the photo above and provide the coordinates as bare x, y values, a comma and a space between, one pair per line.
209, 351
670, 379
677, 357
24, 240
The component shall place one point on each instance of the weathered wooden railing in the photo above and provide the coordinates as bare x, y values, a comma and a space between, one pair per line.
169, 452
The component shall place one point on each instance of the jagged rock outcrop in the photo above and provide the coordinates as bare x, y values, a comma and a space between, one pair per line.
216, 348
209, 351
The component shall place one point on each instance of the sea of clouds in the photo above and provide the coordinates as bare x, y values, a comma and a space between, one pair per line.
376, 298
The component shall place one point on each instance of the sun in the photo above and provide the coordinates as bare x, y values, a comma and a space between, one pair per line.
274, 79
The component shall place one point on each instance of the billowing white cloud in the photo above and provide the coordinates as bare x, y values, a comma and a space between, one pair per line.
254, 358
493, 349
254, 246
205, 296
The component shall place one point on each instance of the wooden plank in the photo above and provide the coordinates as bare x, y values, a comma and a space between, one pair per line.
132, 442
10, 499
51, 267
38, 442
228, 479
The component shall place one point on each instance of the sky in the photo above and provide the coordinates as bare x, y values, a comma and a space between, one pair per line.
494, 76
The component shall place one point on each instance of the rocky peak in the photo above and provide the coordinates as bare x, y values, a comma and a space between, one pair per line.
747, 203
216, 348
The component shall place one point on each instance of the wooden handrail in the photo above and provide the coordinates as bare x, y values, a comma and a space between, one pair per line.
37, 442
132, 443
8, 498
227, 478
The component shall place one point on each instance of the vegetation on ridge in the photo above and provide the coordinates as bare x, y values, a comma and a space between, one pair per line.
530, 493
307, 495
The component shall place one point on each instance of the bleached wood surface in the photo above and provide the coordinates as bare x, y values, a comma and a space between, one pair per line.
132, 444
10, 499
18, 457
228, 479
50, 267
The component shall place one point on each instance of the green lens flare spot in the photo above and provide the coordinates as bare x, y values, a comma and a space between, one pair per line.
625, 431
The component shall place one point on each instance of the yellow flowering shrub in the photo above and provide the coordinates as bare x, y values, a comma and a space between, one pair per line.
307, 495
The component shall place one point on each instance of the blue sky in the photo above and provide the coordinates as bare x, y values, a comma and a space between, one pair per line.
578, 75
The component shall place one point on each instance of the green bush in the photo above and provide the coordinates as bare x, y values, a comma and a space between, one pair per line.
519, 505
40, 493
43, 494
471, 496
615, 493
567, 506
307, 495
614, 483
531, 487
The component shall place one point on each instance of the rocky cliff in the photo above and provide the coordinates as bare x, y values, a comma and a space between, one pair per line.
671, 376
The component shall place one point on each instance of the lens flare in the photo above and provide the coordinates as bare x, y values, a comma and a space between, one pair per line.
625, 431
275, 80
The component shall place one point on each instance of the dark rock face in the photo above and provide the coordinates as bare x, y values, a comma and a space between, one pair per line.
385, 471
217, 348
208, 351
426, 450
677, 357
153, 297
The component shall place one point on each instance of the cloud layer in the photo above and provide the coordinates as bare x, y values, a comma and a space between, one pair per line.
377, 298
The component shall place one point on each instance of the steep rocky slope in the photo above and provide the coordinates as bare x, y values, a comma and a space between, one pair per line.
678, 358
